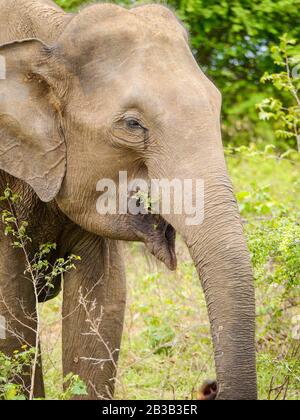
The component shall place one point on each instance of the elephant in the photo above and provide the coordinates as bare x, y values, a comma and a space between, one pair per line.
87, 96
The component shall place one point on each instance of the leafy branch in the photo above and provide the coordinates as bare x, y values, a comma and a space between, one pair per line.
38, 270
286, 112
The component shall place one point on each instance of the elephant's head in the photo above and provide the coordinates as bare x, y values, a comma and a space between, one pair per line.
121, 91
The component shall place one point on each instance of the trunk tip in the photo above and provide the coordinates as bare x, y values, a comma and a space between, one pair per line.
208, 391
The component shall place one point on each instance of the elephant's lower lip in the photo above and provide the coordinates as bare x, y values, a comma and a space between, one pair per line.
161, 244
158, 236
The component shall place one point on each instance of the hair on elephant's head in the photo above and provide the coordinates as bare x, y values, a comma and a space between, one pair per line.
121, 91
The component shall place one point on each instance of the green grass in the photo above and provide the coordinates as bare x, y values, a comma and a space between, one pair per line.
167, 351
166, 348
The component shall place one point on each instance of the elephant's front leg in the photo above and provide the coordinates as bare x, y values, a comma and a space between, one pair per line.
93, 315
18, 320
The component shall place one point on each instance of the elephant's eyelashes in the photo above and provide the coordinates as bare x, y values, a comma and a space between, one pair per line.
133, 124
129, 132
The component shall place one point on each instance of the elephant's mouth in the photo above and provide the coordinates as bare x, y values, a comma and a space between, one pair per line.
159, 237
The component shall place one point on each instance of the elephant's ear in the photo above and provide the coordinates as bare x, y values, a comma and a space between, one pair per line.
32, 146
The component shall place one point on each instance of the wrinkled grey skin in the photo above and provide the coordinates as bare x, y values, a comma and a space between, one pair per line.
63, 126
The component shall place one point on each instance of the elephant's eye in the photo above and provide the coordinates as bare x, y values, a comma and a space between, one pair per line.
133, 124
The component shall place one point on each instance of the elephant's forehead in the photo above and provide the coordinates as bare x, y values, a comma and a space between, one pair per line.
107, 28
148, 67
147, 15
161, 17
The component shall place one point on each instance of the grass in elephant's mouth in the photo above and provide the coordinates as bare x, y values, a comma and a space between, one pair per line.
166, 351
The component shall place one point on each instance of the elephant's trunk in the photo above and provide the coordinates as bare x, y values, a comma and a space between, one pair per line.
220, 254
